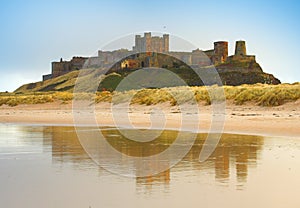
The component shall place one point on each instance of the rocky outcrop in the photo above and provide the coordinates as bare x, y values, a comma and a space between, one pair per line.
239, 72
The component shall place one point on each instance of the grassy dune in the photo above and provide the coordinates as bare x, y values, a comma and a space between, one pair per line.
260, 94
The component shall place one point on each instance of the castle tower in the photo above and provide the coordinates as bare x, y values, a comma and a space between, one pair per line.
147, 42
220, 52
138, 43
165, 43
240, 48
151, 43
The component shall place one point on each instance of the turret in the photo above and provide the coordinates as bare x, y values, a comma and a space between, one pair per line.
240, 48
138, 43
165, 43
147, 37
220, 52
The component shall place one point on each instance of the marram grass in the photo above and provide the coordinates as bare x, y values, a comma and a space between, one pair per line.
260, 94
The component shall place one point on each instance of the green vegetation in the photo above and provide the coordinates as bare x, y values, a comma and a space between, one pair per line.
259, 94
61, 83
110, 82
86, 79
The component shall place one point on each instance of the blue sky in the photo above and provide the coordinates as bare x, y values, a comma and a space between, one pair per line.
34, 33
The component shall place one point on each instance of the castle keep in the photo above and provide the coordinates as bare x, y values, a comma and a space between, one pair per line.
148, 44
154, 44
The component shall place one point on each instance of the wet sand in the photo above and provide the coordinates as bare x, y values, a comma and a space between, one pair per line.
282, 120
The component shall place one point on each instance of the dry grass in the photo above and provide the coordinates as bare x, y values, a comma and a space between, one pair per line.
11, 99
261, 94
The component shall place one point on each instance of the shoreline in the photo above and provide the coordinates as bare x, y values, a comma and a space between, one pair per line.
280, 121
171, 129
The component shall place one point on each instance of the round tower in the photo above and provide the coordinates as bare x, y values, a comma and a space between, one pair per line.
220, 51
240, 48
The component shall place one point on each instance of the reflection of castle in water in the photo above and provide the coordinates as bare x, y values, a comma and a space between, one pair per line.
65, 145
233, 153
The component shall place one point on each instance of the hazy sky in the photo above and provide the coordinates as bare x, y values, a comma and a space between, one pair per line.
34, 33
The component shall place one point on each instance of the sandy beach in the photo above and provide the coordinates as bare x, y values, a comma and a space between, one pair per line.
282, 120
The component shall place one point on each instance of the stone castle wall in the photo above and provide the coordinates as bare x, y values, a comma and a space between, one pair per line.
216, 56
63, 67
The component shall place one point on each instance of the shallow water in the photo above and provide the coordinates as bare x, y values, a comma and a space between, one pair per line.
46, 166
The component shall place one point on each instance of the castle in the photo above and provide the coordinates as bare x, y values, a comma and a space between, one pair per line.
147, 44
